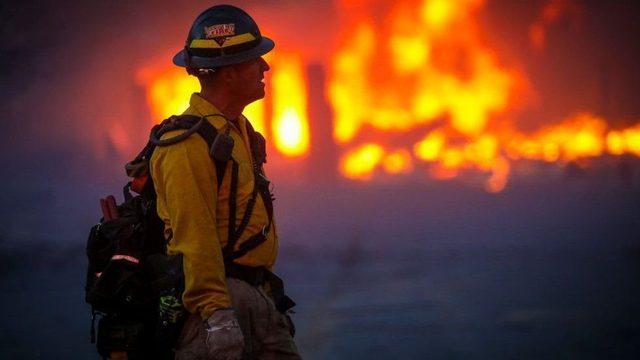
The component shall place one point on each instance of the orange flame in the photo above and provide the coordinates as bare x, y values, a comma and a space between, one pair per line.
360, 163
168, 90
290, 122
430, 68
412, 70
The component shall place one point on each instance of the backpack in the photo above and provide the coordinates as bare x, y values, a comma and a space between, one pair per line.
132, 285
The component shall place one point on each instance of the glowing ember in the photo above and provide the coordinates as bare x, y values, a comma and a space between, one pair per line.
430, 147
290, 123
360, 163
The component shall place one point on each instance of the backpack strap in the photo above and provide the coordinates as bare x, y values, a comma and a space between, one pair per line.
193, 124
261, 187
259, 152
208, 132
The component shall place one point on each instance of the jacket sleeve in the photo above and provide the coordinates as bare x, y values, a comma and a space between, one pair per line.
185, 180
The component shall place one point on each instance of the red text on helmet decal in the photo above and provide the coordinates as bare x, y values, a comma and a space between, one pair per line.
218, 30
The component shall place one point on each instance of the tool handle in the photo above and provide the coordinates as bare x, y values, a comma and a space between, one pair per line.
111, 205
105, 210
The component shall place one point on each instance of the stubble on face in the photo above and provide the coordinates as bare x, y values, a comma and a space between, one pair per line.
248, 80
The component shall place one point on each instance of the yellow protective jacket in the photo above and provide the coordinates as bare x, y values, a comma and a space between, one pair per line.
196, 214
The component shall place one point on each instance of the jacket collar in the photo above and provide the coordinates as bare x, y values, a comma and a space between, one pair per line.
198, 105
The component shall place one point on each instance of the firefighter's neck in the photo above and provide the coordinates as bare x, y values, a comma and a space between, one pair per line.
228, 105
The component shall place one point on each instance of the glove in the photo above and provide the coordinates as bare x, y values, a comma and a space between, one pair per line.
224, 337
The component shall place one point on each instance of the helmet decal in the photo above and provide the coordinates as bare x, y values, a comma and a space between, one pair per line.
218, 30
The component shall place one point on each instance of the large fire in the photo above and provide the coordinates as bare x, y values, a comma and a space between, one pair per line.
169, 89
424, 68
290, 125
414, 89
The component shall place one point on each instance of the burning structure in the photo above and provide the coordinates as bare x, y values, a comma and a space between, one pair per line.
413, 87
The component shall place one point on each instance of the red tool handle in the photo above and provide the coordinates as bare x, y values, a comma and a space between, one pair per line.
113, 209
105, 210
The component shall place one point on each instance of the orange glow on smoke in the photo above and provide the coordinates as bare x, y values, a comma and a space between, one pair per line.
430, 148
552, 12
361, 162
168, 90
290, 123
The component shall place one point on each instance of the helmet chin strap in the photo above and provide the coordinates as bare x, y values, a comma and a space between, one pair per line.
187, 56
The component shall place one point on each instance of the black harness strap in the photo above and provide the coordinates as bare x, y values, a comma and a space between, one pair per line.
233, 194
261, 186
197, 124
234, 234
208, 132
248, 245
259, 152
193, 124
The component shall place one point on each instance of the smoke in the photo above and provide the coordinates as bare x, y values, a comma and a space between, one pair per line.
73, 112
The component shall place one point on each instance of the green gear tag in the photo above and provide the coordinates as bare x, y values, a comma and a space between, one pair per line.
170, 309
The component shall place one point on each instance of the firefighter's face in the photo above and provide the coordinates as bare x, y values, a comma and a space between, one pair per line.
247, 81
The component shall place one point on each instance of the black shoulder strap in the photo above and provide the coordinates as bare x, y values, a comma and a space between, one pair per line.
208, 132
259, 152
261, 187
193, 124
258, 145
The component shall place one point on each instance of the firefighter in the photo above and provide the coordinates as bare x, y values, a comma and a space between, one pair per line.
221, 222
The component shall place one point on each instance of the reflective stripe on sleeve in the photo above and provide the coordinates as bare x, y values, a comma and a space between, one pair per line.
125, 257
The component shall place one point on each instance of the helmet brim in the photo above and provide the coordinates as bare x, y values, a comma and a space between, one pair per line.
199, 62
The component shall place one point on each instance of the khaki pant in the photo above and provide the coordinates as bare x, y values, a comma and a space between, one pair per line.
266, 331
